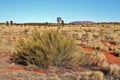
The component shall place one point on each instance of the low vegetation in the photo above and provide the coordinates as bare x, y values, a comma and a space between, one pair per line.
68, 46
44, 49
112, 70
88, 75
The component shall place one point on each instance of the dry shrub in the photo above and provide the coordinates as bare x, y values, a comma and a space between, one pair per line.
44, 49
87, 75
111, 69
90, 59
96, 44
92, 75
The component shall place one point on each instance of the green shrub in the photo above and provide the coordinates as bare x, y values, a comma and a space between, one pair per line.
44, 49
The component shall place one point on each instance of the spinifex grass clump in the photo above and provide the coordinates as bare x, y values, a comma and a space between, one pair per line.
44, 49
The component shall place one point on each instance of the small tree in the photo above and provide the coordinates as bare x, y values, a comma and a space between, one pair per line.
7, 23
46, 24
11, 23
62, 22
59, 20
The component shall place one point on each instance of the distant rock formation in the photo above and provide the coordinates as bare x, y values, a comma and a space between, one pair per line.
82, 22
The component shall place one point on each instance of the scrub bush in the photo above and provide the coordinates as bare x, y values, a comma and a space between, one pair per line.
44, 49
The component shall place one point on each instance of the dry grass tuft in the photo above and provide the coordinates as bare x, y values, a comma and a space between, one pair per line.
49, 48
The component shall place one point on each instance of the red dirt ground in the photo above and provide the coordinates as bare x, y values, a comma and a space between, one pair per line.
111, 58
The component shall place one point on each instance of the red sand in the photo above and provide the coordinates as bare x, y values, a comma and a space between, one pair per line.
111, 58
13, 68
87, 49
39, 71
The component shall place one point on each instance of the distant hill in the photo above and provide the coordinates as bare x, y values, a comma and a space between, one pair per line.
82, 22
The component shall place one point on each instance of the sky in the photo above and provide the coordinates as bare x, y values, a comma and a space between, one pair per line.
69, 10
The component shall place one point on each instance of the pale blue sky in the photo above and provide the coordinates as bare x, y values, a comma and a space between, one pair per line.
69, 10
